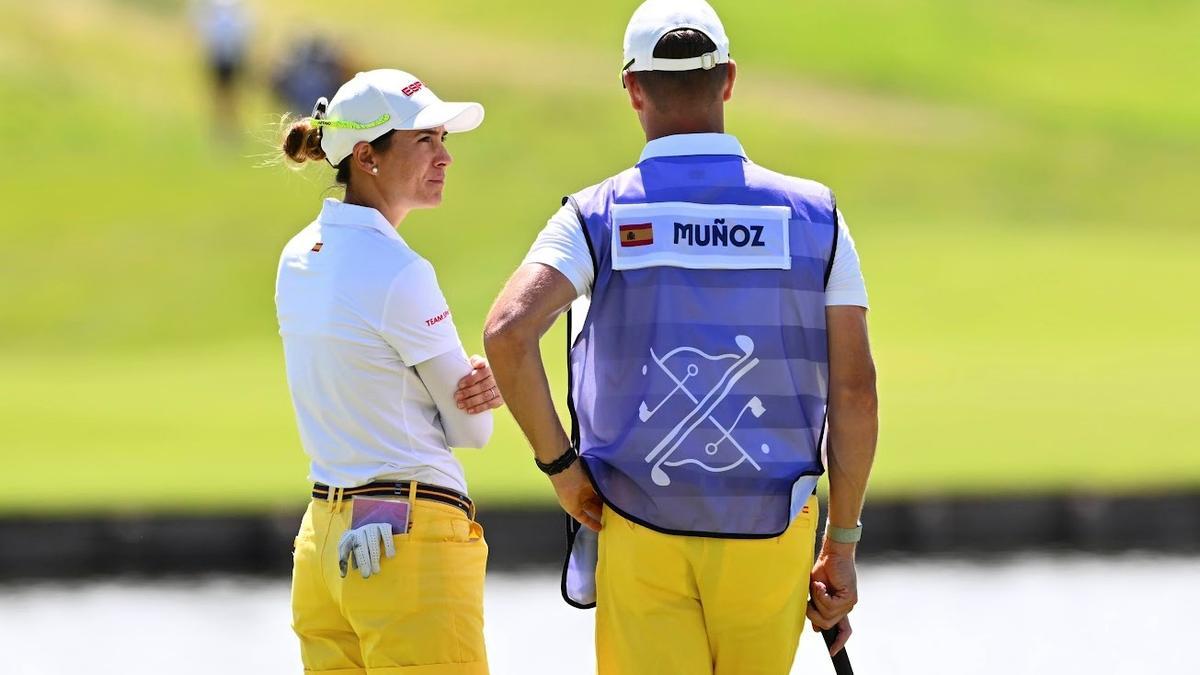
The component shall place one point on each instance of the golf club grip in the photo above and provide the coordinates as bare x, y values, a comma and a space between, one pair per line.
841, 660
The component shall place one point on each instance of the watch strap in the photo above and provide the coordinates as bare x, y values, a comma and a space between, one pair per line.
559, 465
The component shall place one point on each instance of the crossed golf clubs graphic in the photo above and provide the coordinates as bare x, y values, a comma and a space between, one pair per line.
742, 364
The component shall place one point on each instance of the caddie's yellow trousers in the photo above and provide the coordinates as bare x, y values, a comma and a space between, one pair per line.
421, 615
670, 604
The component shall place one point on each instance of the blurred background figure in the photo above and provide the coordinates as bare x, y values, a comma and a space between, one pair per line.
224, 27
313, 68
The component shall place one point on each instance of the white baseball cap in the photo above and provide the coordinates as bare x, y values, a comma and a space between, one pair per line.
379, 101
655, 18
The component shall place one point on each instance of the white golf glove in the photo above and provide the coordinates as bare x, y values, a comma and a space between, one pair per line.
360, 547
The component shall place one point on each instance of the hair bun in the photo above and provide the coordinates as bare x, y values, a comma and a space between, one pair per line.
302, 142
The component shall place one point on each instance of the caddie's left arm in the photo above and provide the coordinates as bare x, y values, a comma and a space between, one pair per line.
527, 307
853, 430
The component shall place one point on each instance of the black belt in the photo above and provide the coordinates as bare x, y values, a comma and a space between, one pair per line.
433, 493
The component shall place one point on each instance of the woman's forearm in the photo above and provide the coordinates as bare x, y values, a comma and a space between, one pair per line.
441, 375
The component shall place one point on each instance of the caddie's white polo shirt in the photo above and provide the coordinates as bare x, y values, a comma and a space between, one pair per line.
358, 309
562, 245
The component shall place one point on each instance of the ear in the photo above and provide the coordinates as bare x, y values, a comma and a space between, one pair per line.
637, 97
363, 157
730, 77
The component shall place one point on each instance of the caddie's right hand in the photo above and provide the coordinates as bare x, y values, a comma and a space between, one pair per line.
360, 547
833, 586
577, 497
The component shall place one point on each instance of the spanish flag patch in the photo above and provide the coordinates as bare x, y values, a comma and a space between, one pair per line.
639, 234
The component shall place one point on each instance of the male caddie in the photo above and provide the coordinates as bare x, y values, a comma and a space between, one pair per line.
724, 345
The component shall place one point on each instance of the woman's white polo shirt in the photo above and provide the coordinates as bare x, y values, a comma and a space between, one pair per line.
358, 310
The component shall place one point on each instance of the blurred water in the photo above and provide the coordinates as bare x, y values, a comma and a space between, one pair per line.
1133, 614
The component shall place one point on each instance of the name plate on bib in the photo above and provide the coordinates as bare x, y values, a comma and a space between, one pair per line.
700, 236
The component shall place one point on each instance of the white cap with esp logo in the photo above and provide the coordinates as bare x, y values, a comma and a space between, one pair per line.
379, 101
655, 18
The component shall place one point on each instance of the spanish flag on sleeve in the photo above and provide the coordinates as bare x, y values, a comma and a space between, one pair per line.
639, 234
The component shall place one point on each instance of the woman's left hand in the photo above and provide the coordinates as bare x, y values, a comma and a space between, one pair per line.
477, 391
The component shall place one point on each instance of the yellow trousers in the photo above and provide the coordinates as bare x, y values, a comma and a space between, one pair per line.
699, 605
421, 615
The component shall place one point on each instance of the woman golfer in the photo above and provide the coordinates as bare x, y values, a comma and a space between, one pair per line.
389, 561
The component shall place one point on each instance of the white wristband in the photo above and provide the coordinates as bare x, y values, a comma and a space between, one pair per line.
843, 535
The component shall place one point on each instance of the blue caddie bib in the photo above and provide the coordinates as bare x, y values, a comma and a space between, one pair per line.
699, 376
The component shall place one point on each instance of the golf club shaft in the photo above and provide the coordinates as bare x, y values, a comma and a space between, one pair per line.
841, 660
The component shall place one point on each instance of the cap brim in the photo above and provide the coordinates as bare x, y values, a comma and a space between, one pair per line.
456, 117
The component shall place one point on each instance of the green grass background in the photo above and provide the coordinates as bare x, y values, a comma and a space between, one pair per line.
1020, 178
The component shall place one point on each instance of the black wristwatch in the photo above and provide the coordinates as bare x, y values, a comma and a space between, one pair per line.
559, 465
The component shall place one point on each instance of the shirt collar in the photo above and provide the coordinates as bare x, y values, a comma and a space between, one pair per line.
693, 144
335, 212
